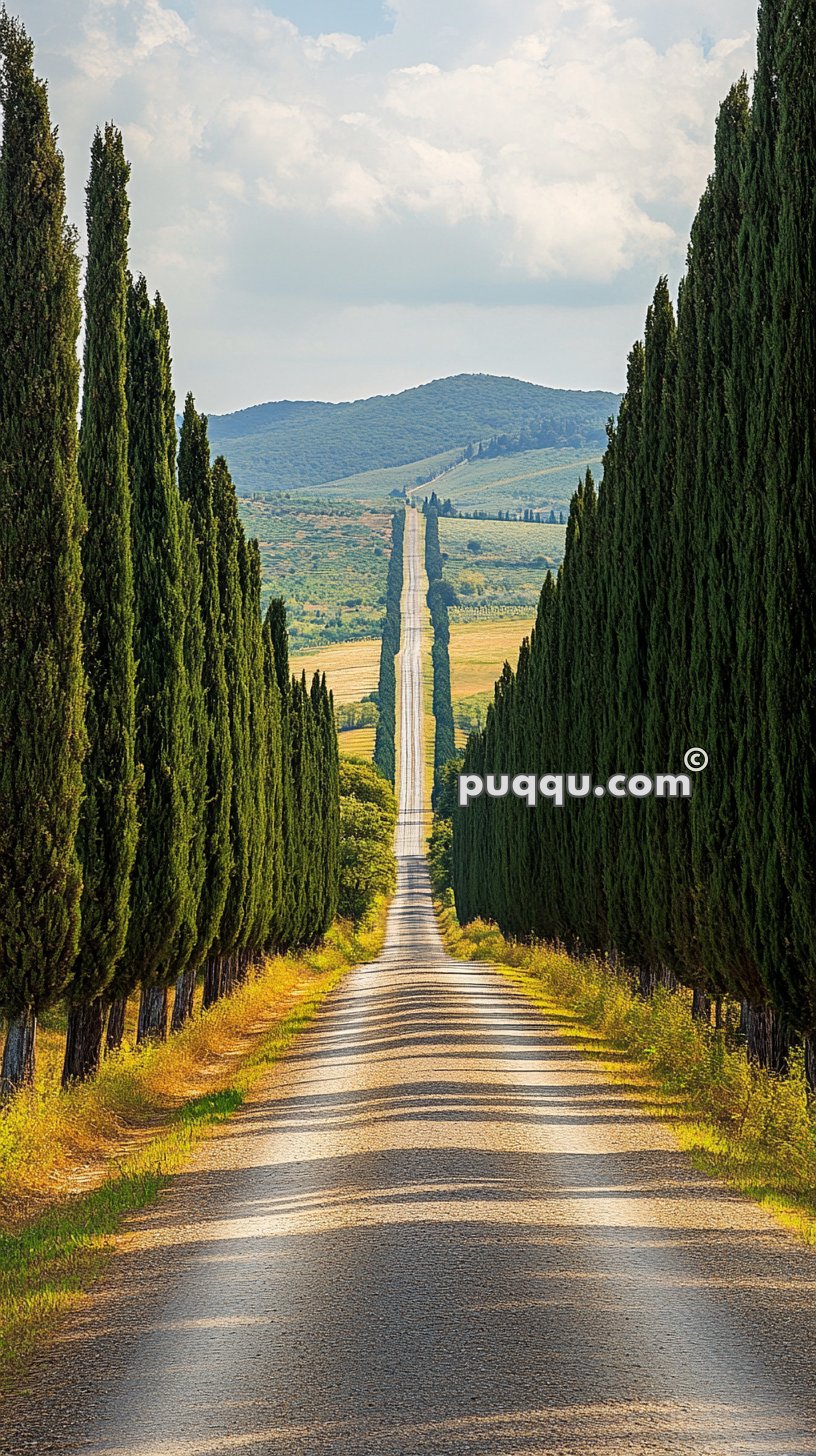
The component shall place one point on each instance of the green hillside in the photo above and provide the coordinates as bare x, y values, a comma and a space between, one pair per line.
291, 444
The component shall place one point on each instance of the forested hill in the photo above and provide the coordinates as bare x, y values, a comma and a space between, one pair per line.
290, 444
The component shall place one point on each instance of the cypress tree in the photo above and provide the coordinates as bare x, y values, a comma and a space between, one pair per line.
255, 896
195, 486
269, 929
790, 677
713, 689
653, 548
108, 826
153, 1002
42, 685
386, 735
229, 537
327, 805
622, 740
160, 877
765, 898
187, 956
282, 933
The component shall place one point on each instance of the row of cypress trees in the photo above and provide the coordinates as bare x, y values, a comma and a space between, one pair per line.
440, 597
385, 742
168, 797
683, 614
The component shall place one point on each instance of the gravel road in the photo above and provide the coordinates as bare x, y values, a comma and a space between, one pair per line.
438, 1230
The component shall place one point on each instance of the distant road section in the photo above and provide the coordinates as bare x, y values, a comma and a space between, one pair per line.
411, 823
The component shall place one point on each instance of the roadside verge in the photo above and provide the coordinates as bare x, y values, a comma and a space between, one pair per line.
73, 1164
753, 1129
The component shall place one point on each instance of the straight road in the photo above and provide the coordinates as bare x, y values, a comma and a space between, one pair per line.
439, 1231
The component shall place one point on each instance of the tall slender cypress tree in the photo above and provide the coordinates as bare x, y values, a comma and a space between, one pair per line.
253, 932
277, 639
195, 486
160, 877
108, 824
187, 956
42, 684
790, 679
229, 536
274, 785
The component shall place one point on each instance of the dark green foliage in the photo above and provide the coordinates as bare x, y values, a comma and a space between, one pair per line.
195, 790
230, 551
790, 679
259, 830
286, 445
196, 489
683, 617
161, 888
385, 740
368, 814
439, 599
276, 626
108, 825
42, 684
191, 946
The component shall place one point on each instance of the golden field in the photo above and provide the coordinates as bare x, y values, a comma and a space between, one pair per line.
352, 668
357, 742
479, 650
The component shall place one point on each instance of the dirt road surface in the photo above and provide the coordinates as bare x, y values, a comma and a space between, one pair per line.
438, 1230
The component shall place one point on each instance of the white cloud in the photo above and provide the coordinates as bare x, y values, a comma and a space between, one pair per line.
479, 154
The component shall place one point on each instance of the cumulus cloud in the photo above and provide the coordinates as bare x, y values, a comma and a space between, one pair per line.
550, 152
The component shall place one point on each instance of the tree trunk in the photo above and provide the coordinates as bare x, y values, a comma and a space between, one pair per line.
183, 999
768, 1037
654, 978
18, 1054
701, 1005
152, 1014
213, 978
83, 1046
810, 1063
116, 1023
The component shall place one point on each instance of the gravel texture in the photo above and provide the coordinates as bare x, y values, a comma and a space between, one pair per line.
437, 1229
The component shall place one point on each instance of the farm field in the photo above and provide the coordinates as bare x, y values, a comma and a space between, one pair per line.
377, 486
357, 743
541, 480
351, 668
478, 652
329, 561
497, 568
352, 671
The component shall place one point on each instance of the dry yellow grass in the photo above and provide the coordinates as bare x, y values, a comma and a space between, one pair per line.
55, 1144
352, 668
357, 742
479, 650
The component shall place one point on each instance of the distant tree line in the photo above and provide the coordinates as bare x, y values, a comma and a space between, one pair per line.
385, 743
542, 434
440, 597
169, 799
362, 714
683, 614
433, 505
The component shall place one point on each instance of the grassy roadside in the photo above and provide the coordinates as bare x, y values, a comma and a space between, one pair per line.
749, 1127
129, 1130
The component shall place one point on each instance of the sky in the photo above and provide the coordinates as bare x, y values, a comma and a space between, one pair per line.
340, 198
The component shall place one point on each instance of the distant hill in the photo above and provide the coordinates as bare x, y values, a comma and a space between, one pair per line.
296, 443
